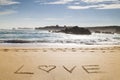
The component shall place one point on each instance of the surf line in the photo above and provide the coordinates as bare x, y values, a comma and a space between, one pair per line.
48, 68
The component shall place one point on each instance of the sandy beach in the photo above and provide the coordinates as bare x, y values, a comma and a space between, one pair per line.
60, 63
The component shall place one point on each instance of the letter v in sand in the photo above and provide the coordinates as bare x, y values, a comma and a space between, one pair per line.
69, 70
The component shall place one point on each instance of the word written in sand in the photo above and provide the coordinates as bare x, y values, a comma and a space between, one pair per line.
48, 68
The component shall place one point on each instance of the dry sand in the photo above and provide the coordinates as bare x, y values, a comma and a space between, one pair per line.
57, 63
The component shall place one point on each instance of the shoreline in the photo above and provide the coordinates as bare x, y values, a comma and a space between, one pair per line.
53, 45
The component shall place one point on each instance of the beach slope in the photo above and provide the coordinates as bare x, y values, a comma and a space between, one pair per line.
81, 63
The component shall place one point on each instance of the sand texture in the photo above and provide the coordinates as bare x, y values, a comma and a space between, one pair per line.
81, 63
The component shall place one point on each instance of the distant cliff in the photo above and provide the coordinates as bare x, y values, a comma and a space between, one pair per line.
105, 29
51, 28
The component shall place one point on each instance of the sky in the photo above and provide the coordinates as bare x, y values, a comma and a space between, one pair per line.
39, 13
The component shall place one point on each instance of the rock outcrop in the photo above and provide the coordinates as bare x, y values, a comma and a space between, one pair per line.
76, 30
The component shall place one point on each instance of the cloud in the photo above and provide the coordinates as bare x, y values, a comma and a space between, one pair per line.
7, 12
78, 7
110, 6
74, 1
96, 4
97, 1
99, 6
84, 4
8, 2
5, 3
60, 2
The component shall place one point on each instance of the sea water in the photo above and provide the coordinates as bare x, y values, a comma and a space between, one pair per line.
41, 36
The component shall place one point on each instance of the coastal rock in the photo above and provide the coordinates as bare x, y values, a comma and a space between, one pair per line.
76, 30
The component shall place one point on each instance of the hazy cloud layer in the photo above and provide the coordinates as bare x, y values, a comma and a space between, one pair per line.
97, 1
8, 2
86, 4
60, 2
6, 8
99, 6
7, 12
53, 19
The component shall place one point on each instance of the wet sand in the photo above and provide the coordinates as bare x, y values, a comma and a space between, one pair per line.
60, 63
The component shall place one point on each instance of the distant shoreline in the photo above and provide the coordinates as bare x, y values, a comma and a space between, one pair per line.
97, 29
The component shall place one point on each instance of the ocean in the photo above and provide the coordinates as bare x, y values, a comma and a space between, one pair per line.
37, 37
